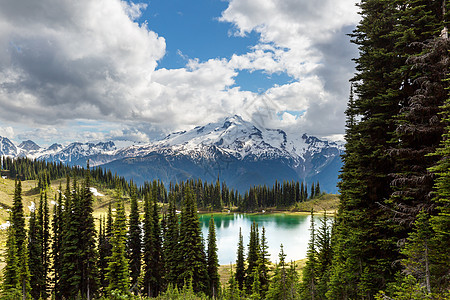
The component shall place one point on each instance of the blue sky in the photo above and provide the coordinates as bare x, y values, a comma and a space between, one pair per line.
137, 70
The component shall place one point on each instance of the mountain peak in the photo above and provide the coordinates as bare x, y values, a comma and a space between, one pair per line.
29, 145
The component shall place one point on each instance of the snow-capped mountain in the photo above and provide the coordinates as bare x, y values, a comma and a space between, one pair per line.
238, 151
7, 148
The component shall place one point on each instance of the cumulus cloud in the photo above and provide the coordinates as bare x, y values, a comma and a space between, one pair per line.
63, 61
307, 40
7, 132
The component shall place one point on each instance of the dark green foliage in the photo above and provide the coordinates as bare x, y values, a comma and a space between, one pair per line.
88, 234
70, 279
191, 242
263, 264
284, 281
324, 256
212, 261
232, 291
10, 271
310, 271
171, 247
37, 279
24, 273
134, 244
240, 268
252, 255
18, 218
44, 235
57, 230
118, 269
153, 264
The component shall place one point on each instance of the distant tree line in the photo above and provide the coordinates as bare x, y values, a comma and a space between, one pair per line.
154, 252
208, 196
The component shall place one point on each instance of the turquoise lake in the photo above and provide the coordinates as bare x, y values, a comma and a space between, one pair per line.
290, 230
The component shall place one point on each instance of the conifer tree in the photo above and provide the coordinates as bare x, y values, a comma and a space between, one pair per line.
213, 261
194, 258
365, 245
10, 283
152, 247
171, 249
309, 280
70, 280
440, 220
57, 230
252, 256
118, 269
37, 279
18, 218
324, 255
88, 233
263, 264
232, 292
240, 267
134, 244
44, 236
283, 284
24, 273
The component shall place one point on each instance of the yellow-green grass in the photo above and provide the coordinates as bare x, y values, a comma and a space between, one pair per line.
224, 270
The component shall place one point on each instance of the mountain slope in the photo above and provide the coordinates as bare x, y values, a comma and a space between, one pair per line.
239, 152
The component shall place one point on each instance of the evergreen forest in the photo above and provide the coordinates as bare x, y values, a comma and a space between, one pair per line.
388, 240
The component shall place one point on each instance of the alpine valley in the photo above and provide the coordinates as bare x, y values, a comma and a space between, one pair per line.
238, 152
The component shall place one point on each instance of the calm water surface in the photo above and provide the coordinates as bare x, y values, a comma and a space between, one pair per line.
290, 230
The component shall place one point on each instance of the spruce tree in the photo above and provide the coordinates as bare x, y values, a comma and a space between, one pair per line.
253, 255
171, 247
365, 244
324, 255
88, 234
134, 244
284, 281
263, 264
240, 267
213, 261
57, 230
24, 273
152, 247
37, 279
310, 271
18, 218
10, 283
118, 269
194, 257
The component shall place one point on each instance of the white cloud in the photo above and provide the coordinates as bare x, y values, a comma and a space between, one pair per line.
7, 132
307, 40
63, 61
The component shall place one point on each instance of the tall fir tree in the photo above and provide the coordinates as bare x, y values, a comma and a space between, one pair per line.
57, 232
171, 245
213, 261
310, 271
37, 279
152, 247
284, 281
134, 244
88, 234
365, 244
252, 256
10, 283
70, 280
263, 264
240, 266
191, 241
118, 269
